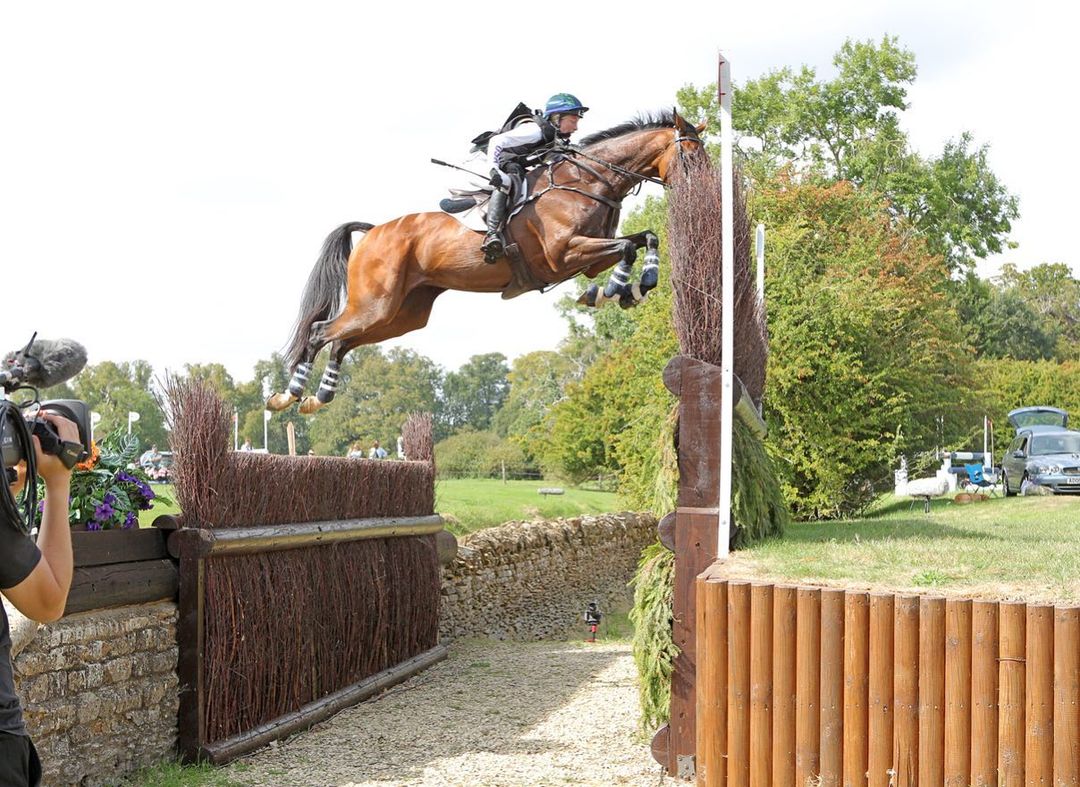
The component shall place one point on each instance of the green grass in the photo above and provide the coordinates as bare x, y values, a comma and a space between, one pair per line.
146, 518
172, 774
474, 503
1024, 548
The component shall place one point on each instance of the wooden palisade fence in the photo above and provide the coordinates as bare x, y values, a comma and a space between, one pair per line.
801, 684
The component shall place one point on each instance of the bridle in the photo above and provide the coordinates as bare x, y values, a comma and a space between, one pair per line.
571, 154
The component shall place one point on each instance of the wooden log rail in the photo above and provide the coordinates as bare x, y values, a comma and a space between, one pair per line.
804, 685
118, 567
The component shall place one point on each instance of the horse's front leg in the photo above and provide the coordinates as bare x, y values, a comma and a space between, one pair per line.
619, 287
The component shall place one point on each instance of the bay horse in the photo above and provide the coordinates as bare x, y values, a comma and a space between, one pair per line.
398, 269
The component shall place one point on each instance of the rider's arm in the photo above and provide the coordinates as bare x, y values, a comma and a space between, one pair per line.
525, 134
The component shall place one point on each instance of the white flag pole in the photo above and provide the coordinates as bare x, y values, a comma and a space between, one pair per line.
266, 430
727, 339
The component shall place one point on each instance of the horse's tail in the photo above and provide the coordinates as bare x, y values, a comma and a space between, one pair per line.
325, 289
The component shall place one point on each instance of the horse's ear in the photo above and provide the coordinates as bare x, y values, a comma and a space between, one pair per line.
701, 127
680, 122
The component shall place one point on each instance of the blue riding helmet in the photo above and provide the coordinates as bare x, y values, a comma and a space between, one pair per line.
564, 102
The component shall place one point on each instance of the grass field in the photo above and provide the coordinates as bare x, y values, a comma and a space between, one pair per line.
472, 504
1023, 548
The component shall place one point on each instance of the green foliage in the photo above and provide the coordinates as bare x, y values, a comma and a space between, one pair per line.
1052, 293
473, 394
847, 128
864, 348
536, 381
758, 505
654, 647
478, 455
115, 389
1005, 384
108, 490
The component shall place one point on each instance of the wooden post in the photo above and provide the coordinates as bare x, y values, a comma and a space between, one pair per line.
808, 686
906, 692
290, 436
932, 691
761, 687
738, 740
957, 692
879, 756
1066, 696
785, 639
1039, 694
712, 684
1011, 636
856, 687
984, 693
832, 687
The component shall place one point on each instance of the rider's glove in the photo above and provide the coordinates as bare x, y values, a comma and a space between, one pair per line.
498, 179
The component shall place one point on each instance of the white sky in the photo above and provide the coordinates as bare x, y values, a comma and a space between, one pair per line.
168, 172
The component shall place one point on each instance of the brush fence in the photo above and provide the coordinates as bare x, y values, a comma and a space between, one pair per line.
801, 684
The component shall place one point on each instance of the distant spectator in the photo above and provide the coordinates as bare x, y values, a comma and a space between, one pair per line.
311, 452
151, 463
247, 445
377, 451
356, 452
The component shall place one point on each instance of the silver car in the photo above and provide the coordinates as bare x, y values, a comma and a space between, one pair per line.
1044, 452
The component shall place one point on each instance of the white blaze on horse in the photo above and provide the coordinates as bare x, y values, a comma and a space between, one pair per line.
398, 269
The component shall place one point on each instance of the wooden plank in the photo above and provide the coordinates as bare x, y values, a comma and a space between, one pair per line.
784, 638
906, 692
221, 752
190, 628
856, 687
1039, 695
808, 687
1067, 697
98, 587
695, 551
832, 687
711, 767
931, 690
957, 692
241, 540
761, 686
1011, 711
880, 690
738, 742
104, 547
984, 693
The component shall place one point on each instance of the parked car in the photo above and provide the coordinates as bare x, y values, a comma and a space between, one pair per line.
1044, 452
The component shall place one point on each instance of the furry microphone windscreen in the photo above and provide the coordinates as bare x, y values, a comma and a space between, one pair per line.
50, 361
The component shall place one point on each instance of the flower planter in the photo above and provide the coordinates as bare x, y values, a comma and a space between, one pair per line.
117, 567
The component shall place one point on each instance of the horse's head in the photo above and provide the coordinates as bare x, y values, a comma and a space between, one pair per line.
682, 144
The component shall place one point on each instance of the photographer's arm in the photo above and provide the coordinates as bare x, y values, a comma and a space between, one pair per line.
42, 596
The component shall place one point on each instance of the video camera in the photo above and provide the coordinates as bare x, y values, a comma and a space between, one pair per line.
40, 364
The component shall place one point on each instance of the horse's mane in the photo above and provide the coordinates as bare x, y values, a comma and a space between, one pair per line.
663, 119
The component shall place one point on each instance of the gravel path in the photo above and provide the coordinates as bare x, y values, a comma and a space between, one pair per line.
491, 715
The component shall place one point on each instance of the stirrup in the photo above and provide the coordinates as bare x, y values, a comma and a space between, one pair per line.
492, 248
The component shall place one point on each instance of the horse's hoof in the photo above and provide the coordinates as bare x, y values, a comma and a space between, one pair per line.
279, 402
309, 405
588, 298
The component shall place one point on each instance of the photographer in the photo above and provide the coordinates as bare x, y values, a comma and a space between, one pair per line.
36, 580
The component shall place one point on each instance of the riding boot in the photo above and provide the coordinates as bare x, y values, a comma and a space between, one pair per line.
493, 245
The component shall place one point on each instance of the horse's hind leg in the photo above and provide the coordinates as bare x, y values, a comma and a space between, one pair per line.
413, 314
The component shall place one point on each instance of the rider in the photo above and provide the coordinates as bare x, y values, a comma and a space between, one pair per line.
505, 150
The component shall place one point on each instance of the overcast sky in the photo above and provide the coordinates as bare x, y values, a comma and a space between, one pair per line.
170, 170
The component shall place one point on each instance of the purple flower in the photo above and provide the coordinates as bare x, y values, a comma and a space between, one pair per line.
126, 478
145, 490
110, 499
41, 506
130, 520
92, 525
103, 512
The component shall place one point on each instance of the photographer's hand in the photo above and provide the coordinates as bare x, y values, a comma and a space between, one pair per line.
42, 596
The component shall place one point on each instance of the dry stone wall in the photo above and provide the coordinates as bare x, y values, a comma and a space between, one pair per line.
99, 692
529, 580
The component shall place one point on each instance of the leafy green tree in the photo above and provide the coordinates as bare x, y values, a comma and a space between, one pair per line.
115, 389
537, 380
848, 128
1053, 294
1000, 323
474, 393
470, 454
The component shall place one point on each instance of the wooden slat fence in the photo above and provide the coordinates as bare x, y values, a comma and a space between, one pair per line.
803, 686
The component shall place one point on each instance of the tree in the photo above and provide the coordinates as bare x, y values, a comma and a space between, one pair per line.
115, 389
472, 395
1053, 294
848, 128
537, 381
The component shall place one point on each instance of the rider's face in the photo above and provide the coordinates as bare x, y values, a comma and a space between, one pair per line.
568, 123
